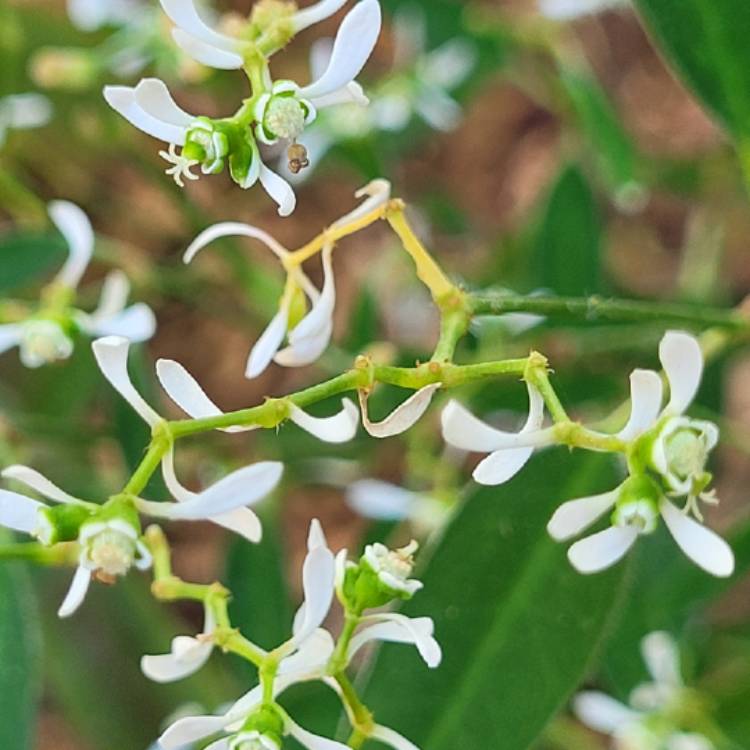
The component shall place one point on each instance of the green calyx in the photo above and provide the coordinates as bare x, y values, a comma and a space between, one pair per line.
266, 721
208, 142
638, 504
62, 523
119, 507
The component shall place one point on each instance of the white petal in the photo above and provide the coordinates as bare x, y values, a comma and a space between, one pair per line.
449, 65
186, 392
305, 350
601, 550
662, 657
572, 517
114, 295
279, 190
165, 668
184, 14
19, 512
376, 193
310, 740
602, 713
501, 465
10, 336
75, 226
232, 229
318, 572
315, 13
402, 417
268, 344
682, 360
122, 100
204, 53
178, 492
339, 428
438, 110
111, 353
25, 111
241, 488
398, 628
241, 521
36, 481
190, 729
153, 97
136, 323
392, 738
646, 392
380, 500
352, 93
76, 593
567, 10
354, 43
220, 744
704, 547
311, 658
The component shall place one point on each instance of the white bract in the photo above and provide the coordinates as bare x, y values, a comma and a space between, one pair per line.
309, 337
673, 450
47, 336
649, 722
225, 502
22, 112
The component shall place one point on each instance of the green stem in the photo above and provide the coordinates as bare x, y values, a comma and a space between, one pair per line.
454, 324
150, 462
600, 309
360, 715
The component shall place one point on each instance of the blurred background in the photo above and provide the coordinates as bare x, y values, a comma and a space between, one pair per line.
534, 153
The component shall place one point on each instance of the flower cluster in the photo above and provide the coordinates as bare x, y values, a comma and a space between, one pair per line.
277, 111
659, 711
666, 451
256, 720
46, 333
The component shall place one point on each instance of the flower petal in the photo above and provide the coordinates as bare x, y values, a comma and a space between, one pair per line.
113, 296
136, 323
311, 658
187, 393
352, 47
392, 738
153, 97
19, 512
352, 93
241, 488
241, 521
111, 353
184, 14
205, 53
76, 228
122, 100
398, 628
232, 229
501, 465
376, 193
402, 417
380, 500
601, 550
279, 190
310, 740
76, 593
10, 336
267, 346
190, 729
38, 482
682, 360
646, 393
220, 744
315, 13
662, 658
704, 547
340, 428
602, 713
572, 517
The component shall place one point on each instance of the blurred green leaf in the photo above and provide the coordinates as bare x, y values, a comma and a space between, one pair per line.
706, 41
27, 257
569, 240
518, 625
19, 659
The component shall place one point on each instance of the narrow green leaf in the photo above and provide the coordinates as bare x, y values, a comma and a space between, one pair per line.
518, 625
569, 239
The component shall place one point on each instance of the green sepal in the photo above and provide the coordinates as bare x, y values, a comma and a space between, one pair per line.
119, 507
363, 589
242, 152
266, 720
65, 522
638, 489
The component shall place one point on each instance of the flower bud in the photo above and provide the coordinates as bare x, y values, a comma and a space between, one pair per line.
638, 504
61, 523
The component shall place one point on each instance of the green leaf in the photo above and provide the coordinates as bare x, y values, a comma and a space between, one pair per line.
706, 41
19, 659
27, 257
569, 240
518, 626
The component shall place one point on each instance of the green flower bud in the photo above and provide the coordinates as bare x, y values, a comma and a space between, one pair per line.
263, 730
638, 504
61, 523
207, 142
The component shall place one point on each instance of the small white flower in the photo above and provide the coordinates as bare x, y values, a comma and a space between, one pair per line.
225, 502
23, 112
633, 727
393, 567
508, 452
568, 10
42, 342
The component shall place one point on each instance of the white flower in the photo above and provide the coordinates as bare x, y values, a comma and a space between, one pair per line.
393, 567
568, 10
108, 546
676, 450
633, 727
41, 339
223, 503
309, 338
22, 112
185, 391
403, 417
508, 452
90, 15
